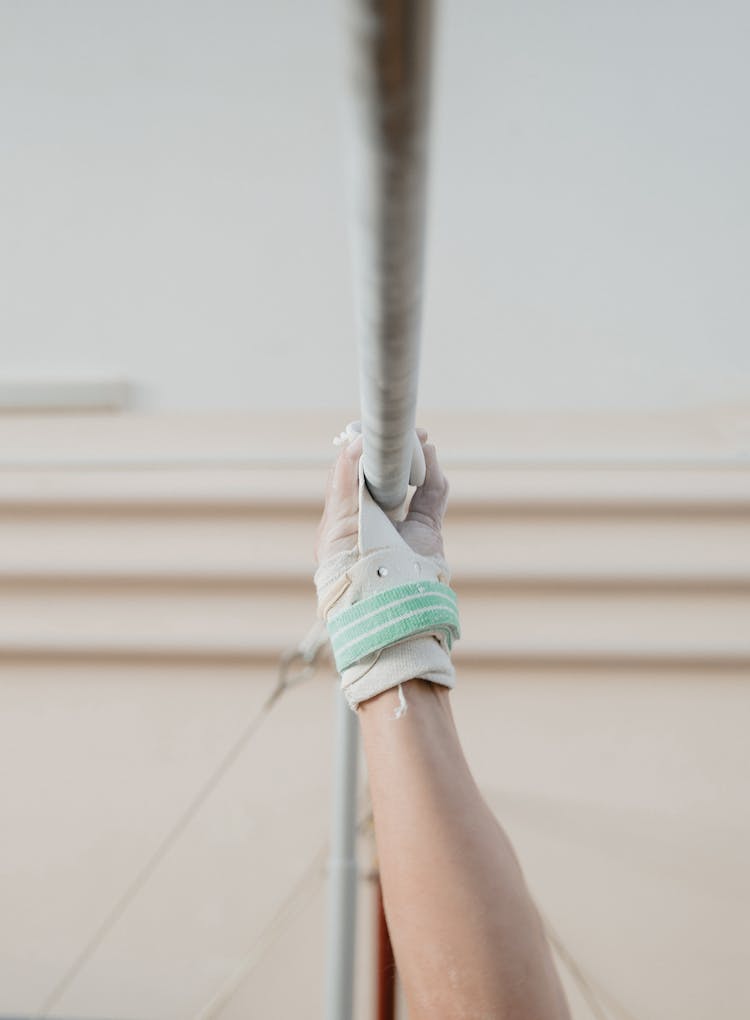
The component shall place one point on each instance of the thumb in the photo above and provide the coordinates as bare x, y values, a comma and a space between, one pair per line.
431, 498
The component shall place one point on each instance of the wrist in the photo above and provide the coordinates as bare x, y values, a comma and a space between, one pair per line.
424, 657
417, 690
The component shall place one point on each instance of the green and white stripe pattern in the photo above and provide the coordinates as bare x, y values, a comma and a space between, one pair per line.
381, 620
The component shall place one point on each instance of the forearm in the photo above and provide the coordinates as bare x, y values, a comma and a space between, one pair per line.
467, 938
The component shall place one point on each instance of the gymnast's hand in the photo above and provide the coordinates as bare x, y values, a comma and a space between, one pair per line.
422, 526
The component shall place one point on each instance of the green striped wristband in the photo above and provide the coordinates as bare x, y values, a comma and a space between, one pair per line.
390, 616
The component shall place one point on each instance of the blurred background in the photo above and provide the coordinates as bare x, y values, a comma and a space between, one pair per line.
176, 354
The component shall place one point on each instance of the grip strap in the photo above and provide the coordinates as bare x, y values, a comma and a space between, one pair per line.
390, 616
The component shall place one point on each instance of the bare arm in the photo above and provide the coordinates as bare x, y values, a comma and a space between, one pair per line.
467, 938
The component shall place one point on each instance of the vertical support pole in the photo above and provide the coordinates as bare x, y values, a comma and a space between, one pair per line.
385, 962
342, 868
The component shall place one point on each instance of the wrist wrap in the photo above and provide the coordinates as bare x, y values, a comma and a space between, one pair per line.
398, 613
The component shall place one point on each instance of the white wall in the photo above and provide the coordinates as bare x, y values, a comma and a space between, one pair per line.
171, 179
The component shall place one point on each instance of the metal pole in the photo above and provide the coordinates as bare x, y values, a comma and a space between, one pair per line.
390, 47
391, 41
385, 962
342, 868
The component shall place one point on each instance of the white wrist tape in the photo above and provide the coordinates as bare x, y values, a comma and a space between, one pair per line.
390, 613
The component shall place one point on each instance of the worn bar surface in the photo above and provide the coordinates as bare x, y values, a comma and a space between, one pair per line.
390, 68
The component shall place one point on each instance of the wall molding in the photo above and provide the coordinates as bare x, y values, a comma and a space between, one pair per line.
557, 563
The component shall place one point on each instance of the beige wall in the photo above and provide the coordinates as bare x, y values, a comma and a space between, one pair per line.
153, 568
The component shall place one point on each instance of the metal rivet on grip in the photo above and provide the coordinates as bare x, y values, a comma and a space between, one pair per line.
382, 571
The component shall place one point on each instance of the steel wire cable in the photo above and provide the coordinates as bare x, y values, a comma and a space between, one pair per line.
599, 1001
308, 651
307, 886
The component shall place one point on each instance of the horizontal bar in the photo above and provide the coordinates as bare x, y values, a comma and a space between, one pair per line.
390, 74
